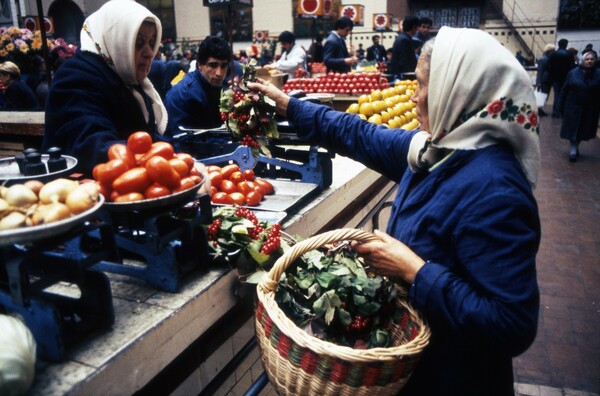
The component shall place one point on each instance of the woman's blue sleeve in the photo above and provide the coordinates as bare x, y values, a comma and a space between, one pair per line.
379, 148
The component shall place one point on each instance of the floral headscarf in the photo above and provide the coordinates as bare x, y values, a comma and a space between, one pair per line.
111, 32
479, 95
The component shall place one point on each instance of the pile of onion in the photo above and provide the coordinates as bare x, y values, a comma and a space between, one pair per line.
34, 203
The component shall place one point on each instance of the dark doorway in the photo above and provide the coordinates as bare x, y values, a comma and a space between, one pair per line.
68, 20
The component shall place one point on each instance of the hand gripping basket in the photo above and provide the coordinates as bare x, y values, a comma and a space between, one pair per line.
300, 364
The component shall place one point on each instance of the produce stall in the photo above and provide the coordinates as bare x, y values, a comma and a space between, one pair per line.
138, 281
152, 328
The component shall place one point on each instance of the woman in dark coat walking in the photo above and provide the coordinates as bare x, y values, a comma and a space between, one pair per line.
579, 102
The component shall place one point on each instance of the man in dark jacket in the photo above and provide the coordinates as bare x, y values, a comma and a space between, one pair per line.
559, 65
376, 52
404, 59
194, 101
335, 53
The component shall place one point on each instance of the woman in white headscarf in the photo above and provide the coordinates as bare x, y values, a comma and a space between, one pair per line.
102, 94
464, 229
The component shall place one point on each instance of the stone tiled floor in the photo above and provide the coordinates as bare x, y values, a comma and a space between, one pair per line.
565, 356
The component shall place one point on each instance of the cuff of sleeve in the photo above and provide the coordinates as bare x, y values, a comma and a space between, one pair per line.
423, 284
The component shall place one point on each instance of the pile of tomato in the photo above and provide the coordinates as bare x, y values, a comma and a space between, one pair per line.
232, 186
143, 169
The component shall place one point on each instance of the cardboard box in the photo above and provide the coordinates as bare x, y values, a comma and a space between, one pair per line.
277, 79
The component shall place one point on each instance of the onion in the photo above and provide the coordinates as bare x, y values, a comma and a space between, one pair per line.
3, 205
20, 196
49, 213
84, 197
34, 185
57, 190
17, 357
12, 220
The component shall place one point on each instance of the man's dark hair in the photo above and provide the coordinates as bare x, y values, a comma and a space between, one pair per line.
287, 37
213, 47
410, 23
343, 23
562, 43
425, 21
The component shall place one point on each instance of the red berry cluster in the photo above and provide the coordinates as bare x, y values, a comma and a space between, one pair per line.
241, 118
213, 230
273, 240
238, 96
246, 213
359, 323
223, 116
249, 141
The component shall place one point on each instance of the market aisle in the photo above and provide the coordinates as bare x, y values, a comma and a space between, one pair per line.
565, 357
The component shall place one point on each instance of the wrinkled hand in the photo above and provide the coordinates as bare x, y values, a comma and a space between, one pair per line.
266, 88
390, 257
205, 188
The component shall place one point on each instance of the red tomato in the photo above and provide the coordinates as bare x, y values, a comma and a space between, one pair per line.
249, 174
253, 198
195, 178
188, 159
111, 170
139, 142
227, 170
222, 198
215, 179
134, 180
245, 187
267, 187
227, 186
129, 197
236, 177
162, 172
213, 168
180, 166
195, 172
156, 191
213, 190
238, 198
158, 149
96, 170
186, 183
121, 151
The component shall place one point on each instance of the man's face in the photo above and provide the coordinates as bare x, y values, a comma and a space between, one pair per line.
286, 46
345, 31
424, 28
376, 40
214, 71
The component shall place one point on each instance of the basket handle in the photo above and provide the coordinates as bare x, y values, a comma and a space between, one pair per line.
270, 281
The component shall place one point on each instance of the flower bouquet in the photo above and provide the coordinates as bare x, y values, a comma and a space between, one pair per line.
249, 115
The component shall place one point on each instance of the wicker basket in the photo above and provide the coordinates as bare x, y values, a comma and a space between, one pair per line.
300, 364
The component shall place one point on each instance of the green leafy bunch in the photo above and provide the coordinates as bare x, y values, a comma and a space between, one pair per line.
239, 239
331, 296
249, 115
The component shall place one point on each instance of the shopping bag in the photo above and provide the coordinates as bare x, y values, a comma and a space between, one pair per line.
540, 98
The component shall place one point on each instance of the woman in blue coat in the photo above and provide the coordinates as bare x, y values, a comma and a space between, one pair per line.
103, 94
464, 229
579, 103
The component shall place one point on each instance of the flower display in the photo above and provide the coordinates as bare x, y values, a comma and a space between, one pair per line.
21, 45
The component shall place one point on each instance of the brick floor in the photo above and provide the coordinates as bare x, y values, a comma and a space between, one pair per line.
566, 353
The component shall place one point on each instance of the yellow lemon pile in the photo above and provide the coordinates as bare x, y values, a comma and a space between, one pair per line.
390, 106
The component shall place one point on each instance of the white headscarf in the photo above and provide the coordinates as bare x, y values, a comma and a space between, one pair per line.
479, 95
111, 32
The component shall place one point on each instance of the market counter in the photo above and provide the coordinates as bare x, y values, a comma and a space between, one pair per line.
153, 328
19, 130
